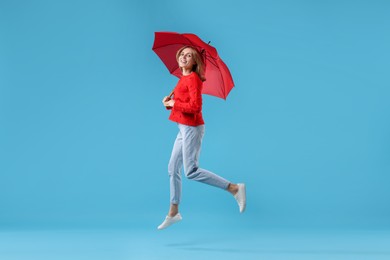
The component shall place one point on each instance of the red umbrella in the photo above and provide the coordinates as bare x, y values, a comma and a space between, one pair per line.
218, 82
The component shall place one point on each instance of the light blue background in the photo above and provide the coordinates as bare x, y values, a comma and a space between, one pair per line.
85, 141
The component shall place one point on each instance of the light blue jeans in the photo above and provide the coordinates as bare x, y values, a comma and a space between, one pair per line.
186, 152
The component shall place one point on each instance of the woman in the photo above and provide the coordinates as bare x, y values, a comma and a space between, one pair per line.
186, 111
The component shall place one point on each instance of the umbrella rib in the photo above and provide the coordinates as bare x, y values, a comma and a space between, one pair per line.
211, 60
165, 45
208, 57
220, 82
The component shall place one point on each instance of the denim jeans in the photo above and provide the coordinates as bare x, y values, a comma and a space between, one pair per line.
185, 153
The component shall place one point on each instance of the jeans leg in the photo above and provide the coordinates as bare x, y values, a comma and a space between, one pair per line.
174, 170
191, 144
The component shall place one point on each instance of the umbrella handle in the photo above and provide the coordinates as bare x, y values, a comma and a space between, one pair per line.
171, 94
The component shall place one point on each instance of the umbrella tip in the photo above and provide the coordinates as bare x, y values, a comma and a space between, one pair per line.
209, 42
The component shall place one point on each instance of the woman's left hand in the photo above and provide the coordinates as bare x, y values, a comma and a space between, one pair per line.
169, 103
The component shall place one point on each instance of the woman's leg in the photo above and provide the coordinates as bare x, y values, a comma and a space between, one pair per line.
191, 144
186, 151
174, 172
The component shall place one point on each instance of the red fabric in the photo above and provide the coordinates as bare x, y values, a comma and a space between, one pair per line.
219, 81
187, 109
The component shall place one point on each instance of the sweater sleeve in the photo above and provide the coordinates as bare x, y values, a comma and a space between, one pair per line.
194, 105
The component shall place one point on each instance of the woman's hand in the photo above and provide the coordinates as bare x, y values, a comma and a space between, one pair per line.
168, 102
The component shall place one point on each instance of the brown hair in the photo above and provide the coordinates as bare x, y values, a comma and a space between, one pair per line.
199, 64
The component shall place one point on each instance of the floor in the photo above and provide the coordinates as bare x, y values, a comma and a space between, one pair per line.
116, 244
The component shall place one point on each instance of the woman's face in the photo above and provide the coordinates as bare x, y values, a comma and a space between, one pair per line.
186, 59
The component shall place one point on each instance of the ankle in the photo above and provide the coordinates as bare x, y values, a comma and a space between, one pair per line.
232, 188
173, 210
172, 214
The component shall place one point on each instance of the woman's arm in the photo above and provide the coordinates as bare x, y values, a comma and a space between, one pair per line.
168, 102
194, 105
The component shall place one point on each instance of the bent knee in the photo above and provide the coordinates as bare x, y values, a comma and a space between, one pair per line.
192, 173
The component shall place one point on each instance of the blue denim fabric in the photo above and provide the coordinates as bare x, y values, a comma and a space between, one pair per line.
186, 152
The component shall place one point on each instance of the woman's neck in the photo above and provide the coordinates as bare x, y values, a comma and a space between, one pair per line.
186, 72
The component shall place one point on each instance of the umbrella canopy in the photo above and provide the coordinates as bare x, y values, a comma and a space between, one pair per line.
218, 82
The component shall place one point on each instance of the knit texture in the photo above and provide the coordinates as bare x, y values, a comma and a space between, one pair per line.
187, 109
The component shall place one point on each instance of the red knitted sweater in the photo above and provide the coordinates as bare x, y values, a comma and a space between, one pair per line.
187, 109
